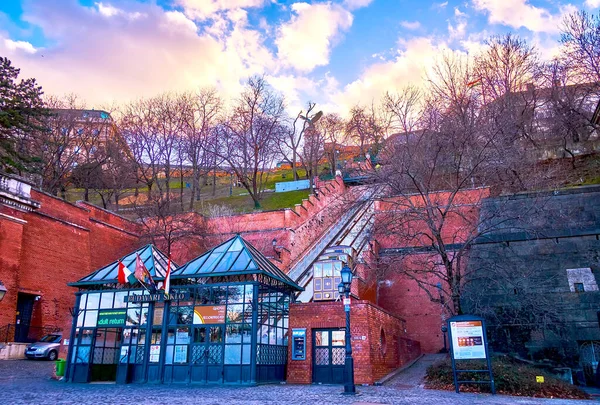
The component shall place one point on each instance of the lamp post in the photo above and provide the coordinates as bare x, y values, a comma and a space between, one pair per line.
344, 288
444, 330
2, 290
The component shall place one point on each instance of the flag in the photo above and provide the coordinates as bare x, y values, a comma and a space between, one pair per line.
125, 275
167, 282
143, 275
474, 83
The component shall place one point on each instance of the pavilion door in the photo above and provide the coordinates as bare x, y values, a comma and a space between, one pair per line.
206, 361
81, 355
329, 356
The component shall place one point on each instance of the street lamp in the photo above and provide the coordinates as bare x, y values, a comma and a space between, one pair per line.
2, 290
344, 288
444, 331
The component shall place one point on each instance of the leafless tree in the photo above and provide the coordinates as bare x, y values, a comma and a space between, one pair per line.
368, 126
291, 146
313, 151
250, 136
333, 127
581, 45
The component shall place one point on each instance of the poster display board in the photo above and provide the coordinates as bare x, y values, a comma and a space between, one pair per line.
298, 344
467, 340
207, 314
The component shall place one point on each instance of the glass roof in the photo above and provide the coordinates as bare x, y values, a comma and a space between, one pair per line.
155, 261
231, 258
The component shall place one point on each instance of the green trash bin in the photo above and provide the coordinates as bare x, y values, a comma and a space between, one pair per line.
60, 367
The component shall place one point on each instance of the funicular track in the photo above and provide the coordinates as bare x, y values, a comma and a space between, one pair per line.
352, 229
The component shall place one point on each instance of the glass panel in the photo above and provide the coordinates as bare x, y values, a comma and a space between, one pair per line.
133, 316
233, 334
216, 334
327, 270
181, 315
223, 247
219, 295
169, 354
242, 262
233, 354
207, 266
226, 262
203, 296
183, 335
236, 246
234, 313
91, 318
338, 269
247, 332
337, 338
235, 294
200, 335
93, 301
144, 318
246, 354
318, 269
107, 300
249, 294
322, 338
193, 266
86, 336
82, 301
120, 299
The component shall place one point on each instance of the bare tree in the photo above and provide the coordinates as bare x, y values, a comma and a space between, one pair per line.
251, 134
313, 151
581, 45
332, 127
291, 145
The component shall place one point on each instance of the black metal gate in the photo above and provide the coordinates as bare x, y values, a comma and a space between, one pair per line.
329, 356
23, 321
206, 360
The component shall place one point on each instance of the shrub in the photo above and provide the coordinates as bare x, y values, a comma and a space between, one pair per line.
510, 377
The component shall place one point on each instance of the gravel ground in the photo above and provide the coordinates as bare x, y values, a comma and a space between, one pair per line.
28, 382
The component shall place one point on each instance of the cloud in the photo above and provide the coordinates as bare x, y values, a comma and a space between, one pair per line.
107, 56
203, 9
306, 40
414, 58
439, 6
19, 46
458, 30
356, 4
410, 25
592, 3
519, 13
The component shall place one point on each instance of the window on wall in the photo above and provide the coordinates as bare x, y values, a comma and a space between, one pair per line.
582, 280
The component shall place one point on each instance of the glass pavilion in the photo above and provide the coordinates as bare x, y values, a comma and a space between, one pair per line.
226, 321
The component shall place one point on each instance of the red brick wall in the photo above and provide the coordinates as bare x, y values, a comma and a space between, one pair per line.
43, 250
371, 361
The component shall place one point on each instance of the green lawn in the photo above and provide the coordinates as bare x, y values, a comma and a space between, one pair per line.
243, 203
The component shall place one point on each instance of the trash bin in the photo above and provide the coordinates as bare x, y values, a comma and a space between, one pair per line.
60, 367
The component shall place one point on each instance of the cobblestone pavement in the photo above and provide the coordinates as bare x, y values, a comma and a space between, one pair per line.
27, 382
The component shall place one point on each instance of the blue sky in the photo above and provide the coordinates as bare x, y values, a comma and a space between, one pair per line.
336, 53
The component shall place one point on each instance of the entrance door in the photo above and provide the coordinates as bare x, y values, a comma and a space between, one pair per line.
81, 357
329, 356
105, 354
23, 320
206, 360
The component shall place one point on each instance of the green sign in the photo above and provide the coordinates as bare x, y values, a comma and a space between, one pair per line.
112, 317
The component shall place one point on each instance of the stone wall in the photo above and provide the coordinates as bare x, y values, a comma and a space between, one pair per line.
542, 244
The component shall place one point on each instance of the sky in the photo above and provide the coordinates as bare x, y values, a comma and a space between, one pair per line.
336, 53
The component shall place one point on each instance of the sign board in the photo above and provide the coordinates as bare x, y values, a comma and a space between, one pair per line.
539, 379
346, 301
112, 317
209, 314
157, 297
282, 187
298, 344
467, 340
154, 353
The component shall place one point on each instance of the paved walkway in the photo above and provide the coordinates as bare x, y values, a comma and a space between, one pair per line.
27, 382
413, 377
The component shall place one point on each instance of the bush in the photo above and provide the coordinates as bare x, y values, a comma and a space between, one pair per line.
510, 377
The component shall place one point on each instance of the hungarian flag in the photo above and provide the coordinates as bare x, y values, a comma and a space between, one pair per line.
474, 83
125, 275
167, 282
143, 275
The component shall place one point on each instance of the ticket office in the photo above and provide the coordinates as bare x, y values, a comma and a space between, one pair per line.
229, 333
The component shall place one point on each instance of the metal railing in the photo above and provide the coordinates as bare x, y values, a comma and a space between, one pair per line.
24, 333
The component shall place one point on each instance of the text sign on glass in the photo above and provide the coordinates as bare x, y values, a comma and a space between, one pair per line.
467, 340
298, 344
112, 317
209, 314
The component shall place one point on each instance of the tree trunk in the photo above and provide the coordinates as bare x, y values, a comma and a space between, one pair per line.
86, 194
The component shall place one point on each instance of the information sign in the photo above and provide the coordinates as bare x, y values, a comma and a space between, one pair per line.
154, 353
467, 340
209, 314
112, 317
298, 344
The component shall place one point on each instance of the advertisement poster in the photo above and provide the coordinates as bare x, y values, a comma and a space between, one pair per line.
112, 317
180, 354
154, 353
467, 340
209, 314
